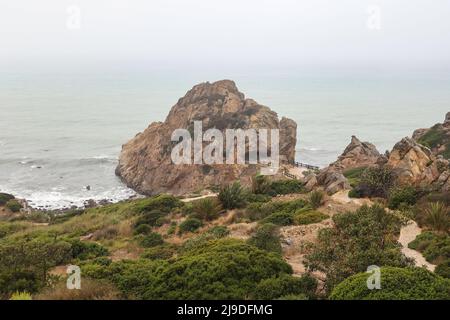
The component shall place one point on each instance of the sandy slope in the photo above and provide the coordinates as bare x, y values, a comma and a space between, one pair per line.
407, 234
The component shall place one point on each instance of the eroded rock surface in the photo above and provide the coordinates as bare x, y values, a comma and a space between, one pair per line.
145, 161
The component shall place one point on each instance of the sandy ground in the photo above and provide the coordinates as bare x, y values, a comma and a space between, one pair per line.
407, 234
200, 197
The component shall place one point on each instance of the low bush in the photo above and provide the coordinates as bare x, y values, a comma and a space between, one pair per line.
162, 252
286, 285
5, 197
152, 239
443, 269
190, 225
434, 247
219, 269
309, 217
257, 198
375, 182
287, 186
402, 196
142, 229
266, 238
397, 284
14, 205
84, 250
153, 218
354, 175
280, 218
164, 202
90, 290
357, 239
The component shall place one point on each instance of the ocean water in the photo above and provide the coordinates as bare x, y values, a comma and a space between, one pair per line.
61, 132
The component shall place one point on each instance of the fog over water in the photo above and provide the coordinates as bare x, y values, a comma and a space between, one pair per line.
73, 91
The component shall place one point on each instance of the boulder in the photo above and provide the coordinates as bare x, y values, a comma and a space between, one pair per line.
357, 154
415, 164
145, 162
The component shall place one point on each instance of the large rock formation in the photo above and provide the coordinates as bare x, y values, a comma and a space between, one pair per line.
415, 164
145, 162
437, 138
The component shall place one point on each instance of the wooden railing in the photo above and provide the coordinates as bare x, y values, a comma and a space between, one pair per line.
304, 165
289, 175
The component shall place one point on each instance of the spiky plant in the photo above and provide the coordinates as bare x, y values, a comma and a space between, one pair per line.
207, 208
437, 217
316, 199
232, 196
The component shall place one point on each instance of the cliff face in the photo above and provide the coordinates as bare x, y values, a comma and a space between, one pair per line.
145, 162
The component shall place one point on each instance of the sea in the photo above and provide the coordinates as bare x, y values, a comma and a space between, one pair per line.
61, 132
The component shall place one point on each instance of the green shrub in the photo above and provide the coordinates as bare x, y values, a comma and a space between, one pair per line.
358, 239
162, 252
309, 217
287, 186
433, 138
353, 175
84, 250
218, 231
375, 182
266, 238
232, 196
316, 199
443, 269
220, 269
396, 284
355, 193
14, 205
207, 208
280, 218
293, 297
402, 196
142, 229
190, 225
152, 239
438, 217
153, 218
257, 198
4, 198
261, 185
164, 202
273, 288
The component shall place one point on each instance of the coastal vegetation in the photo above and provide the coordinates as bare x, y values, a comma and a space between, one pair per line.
163, 248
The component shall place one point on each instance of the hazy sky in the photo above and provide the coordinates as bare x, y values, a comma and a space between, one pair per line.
279, 33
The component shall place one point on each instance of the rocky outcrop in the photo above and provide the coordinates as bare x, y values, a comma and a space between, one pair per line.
145, 162
356, 154
415, 164
437, 138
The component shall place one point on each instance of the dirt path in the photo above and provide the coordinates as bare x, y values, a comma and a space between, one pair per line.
407, 234
200, 197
